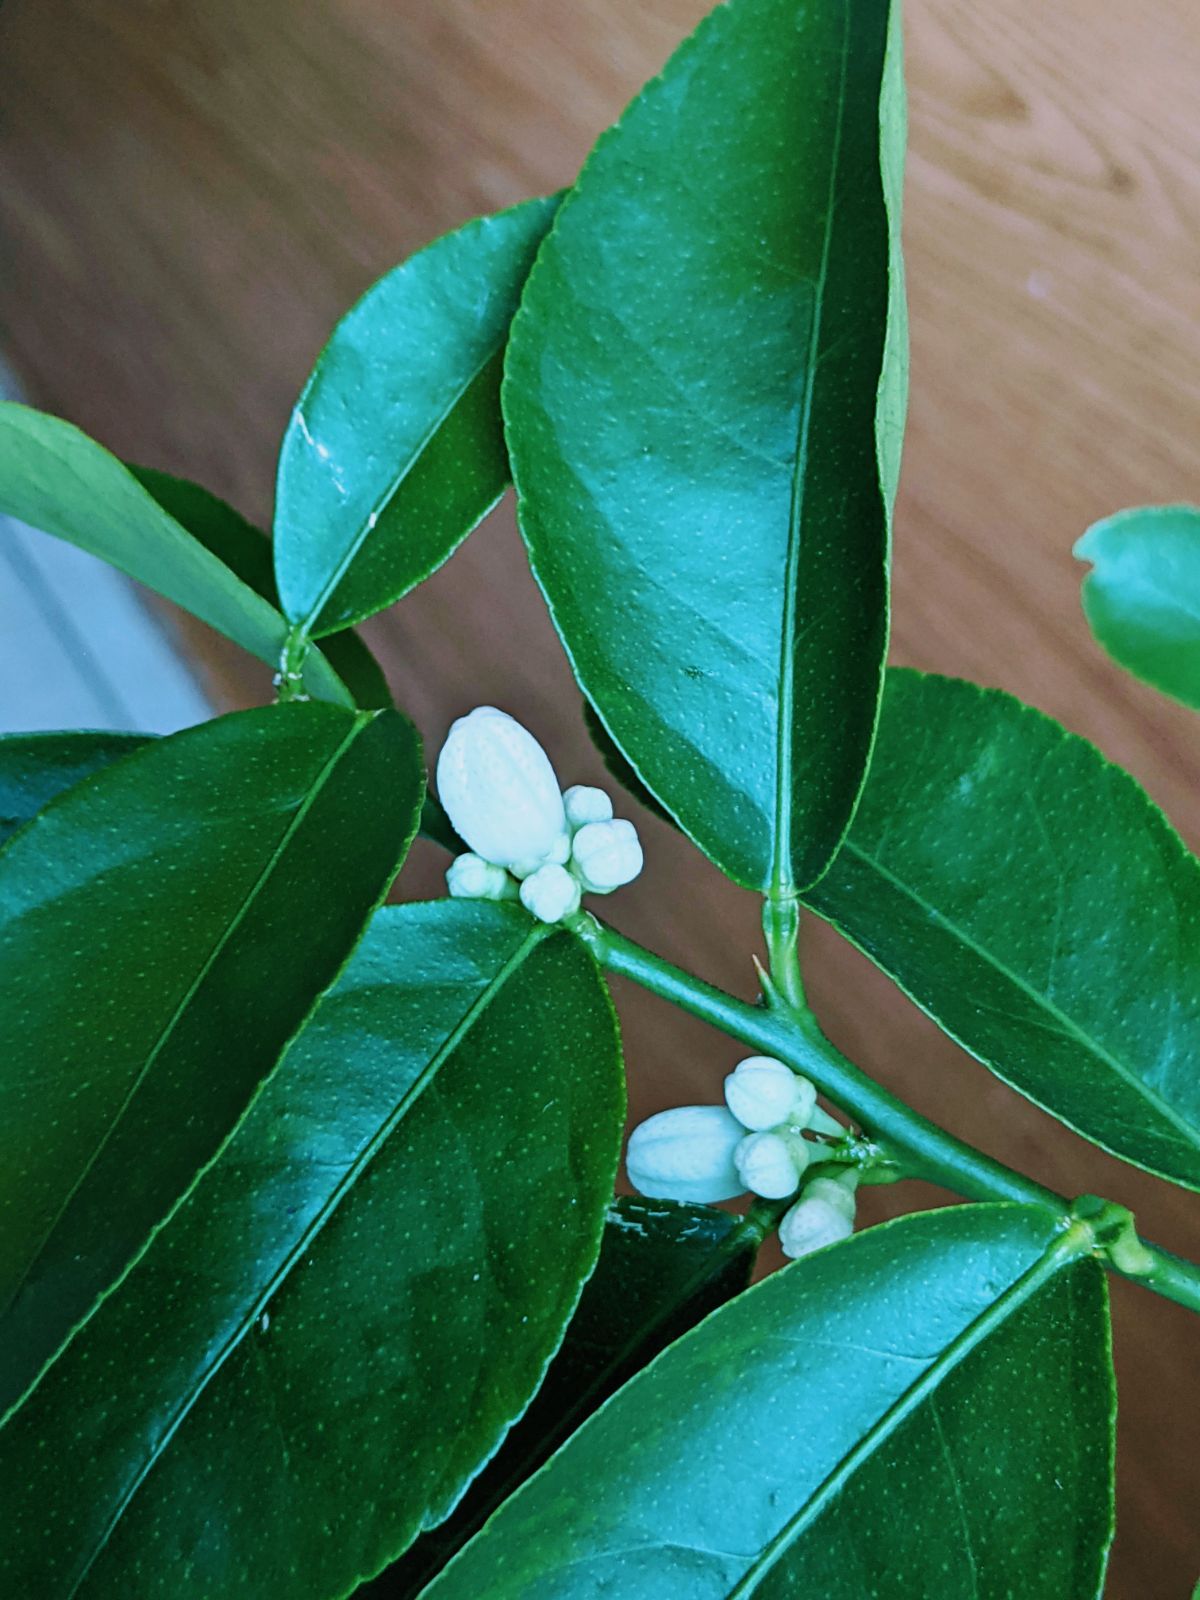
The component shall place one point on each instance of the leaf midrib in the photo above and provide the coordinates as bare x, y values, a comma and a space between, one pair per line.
781, 844
1058, 1256
379, 505
305, 1239
1068, 1026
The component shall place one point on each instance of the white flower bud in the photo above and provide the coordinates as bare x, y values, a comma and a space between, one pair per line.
833, 1192
810, 1225
551, 893
770, 1165
558, 856
606, 855
586, 805
500, 792
686, 1154
762, 1092
470, 877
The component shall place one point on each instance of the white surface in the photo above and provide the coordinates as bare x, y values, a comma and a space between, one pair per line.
78, 647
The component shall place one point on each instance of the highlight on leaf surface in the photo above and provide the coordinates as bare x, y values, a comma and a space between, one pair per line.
395, 448
703, 399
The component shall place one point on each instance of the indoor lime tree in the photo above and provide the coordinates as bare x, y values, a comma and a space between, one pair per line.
311, 1274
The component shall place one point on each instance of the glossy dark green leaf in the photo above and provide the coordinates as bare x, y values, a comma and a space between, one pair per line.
1142, 597
617, 766
662, 1268
329, 1338
37, 767
1029, 896
57, 479
164, 929
704, 398
924, 1410
395, 449
246, 551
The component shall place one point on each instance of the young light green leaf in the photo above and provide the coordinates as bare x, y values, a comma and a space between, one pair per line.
883, 1418
37, 767
246, 551
333, 1332
704, 397
662, 1268
1030, 897
57, 479
1142, 597
164, 929
395, 449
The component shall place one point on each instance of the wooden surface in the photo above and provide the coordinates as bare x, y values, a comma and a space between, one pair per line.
190, 194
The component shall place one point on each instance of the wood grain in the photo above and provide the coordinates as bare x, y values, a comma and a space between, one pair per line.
190, 195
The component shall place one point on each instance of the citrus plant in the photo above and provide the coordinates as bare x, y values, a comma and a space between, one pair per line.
311, 1274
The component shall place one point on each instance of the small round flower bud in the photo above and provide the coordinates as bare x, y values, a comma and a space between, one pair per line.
551, 893
768, 1164
586, 805
499, 790
606, 855
470, 877
686, 1154
762, 1092
810, 1225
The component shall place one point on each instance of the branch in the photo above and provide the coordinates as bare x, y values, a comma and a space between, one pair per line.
928, 1151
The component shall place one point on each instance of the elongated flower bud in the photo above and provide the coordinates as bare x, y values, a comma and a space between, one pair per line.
810, 1225
686, 1154
551, 893
470, 877
770, 1165
586, 805
606, 855
500, 792
762, 1093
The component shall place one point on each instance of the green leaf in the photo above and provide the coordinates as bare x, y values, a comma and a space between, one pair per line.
1029, 896
662, 1268
617, 766
164, 929
246, 551
924, 1410
395, 450
36, 767
57, 479
332, 1334
704, 426
1142, 597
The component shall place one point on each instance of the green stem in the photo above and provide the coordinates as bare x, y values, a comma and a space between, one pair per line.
289, 680
926, 1150
781, 929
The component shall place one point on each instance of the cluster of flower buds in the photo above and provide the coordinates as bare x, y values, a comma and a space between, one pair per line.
527, 837
755, 1142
